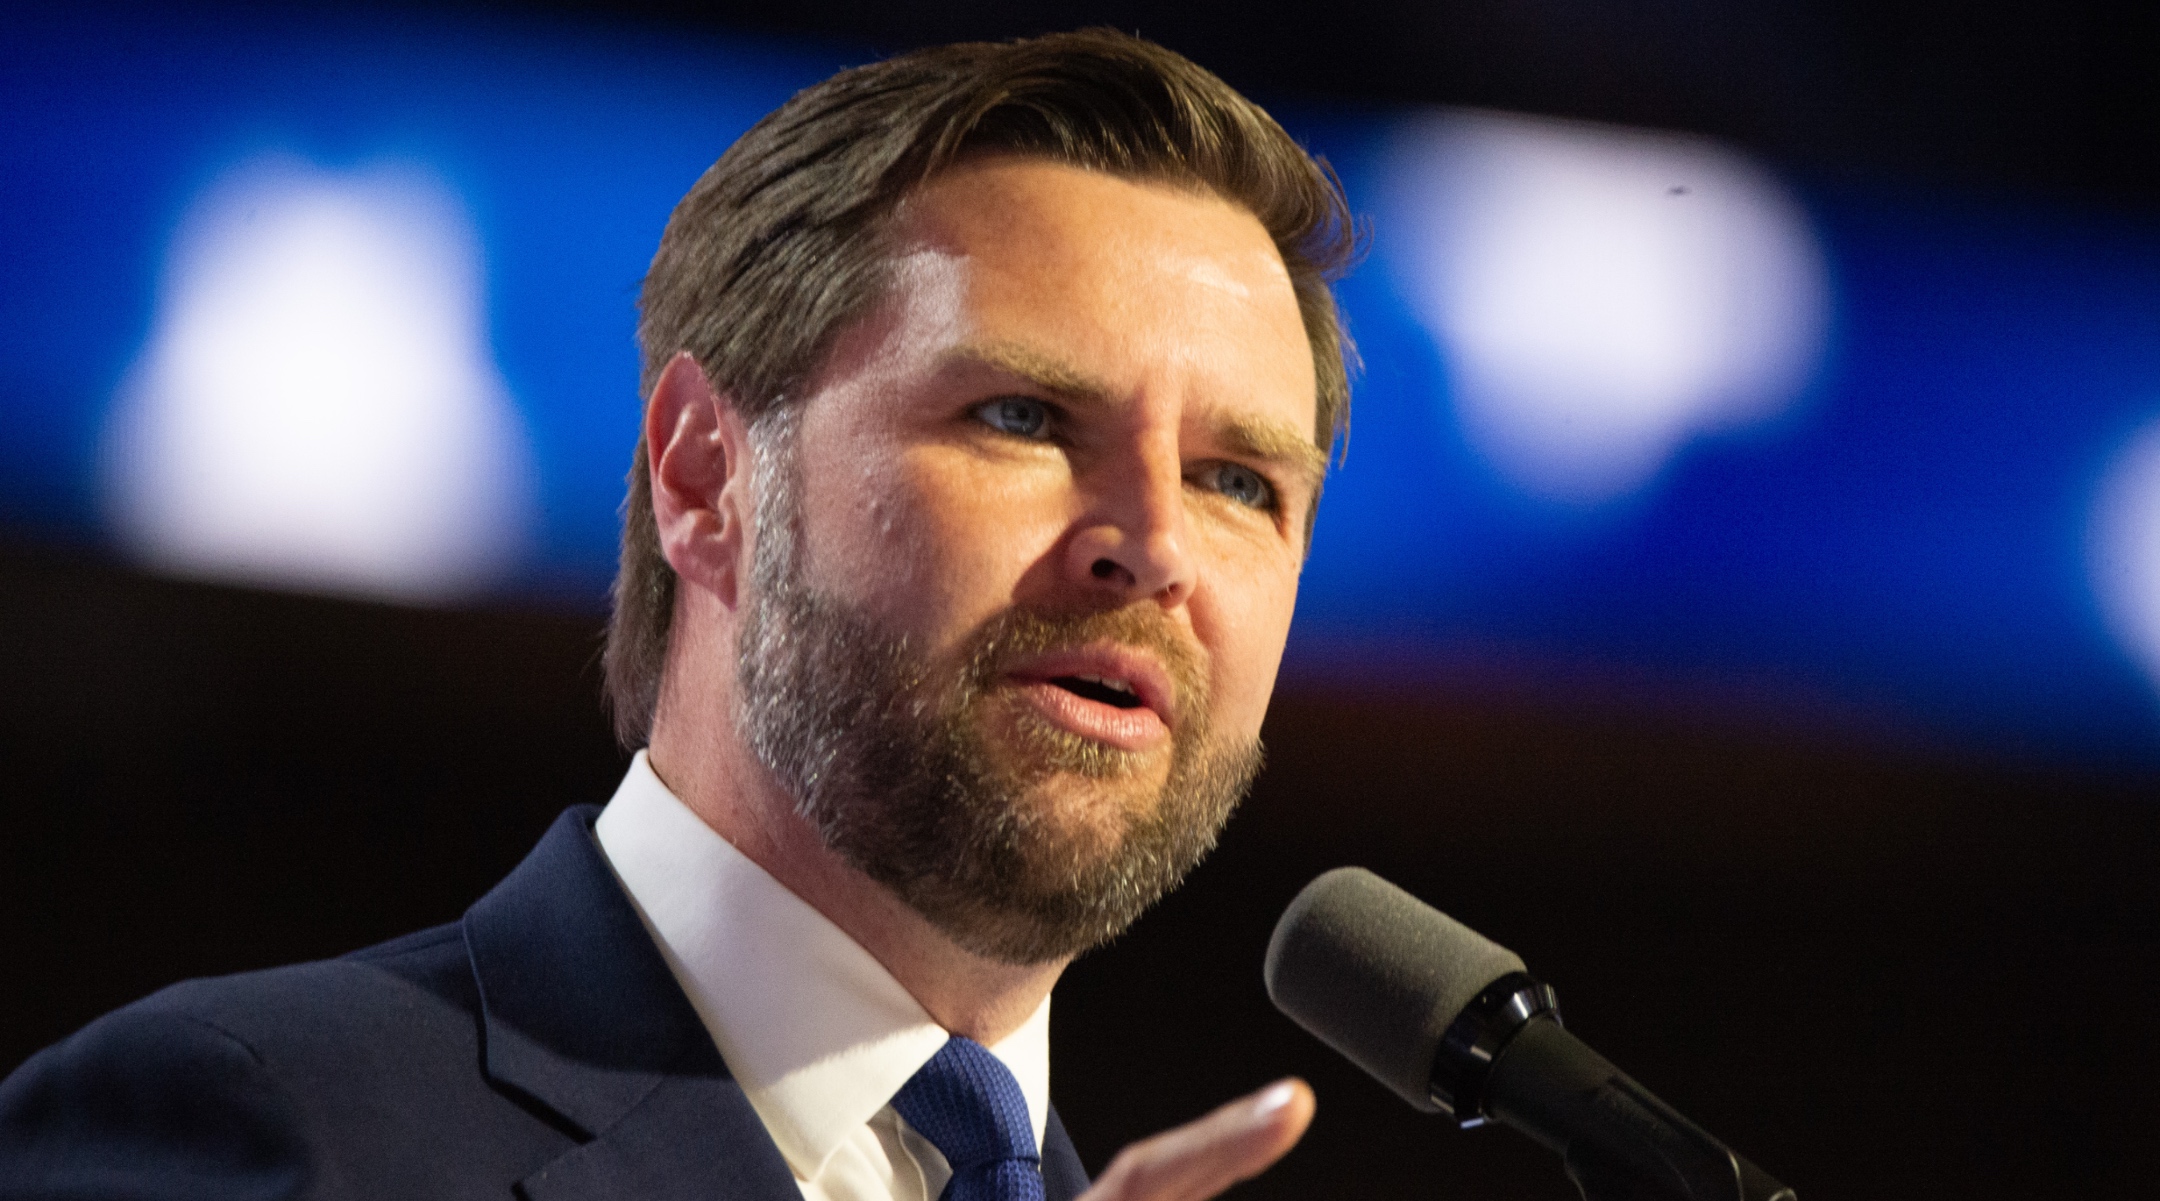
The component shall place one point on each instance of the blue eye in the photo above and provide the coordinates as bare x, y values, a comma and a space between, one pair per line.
1016, 415
1243, 486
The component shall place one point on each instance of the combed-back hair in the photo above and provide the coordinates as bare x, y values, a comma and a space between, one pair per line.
782, 243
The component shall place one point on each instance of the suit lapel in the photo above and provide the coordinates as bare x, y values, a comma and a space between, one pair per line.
690, 1137
1063, 1176
583, 1018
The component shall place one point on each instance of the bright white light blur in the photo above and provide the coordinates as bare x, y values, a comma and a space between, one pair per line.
318, 406
2124, 549
1601, 295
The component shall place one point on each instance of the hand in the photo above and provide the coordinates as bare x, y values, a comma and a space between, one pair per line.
1200, 1159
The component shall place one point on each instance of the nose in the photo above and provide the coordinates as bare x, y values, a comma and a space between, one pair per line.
1132, 544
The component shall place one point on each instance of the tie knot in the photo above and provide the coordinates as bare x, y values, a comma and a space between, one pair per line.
971, 1109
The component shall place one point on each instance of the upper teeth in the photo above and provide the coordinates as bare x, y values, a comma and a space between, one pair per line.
1120, 685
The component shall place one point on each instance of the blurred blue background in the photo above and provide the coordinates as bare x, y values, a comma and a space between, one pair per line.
1740, 594
1924, 514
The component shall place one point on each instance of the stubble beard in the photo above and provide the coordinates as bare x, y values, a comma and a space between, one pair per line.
888, 756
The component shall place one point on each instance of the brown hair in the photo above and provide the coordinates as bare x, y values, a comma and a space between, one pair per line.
780, 244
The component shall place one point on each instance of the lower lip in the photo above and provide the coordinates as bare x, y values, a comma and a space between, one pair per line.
1136, 729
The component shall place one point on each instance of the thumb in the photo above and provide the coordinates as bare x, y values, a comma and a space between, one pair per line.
1202, 1158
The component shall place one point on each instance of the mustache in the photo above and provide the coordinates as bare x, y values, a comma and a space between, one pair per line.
1020, 632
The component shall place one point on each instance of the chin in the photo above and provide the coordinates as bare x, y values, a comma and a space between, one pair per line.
1084, 821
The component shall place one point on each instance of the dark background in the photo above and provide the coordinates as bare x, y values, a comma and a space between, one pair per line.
1879, 971
1879, 967
2046, 97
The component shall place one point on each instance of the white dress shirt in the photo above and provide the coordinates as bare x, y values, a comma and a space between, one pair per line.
817, 1032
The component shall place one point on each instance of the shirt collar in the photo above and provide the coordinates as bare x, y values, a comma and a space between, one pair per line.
817, 1032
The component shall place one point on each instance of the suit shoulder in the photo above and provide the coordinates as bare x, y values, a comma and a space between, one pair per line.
436, 942
352, 1077
359, 1016
150, 1103
251, 1016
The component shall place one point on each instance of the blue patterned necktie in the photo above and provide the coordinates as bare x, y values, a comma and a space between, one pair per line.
971, 1110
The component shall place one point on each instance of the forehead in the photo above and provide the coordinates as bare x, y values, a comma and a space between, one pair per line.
1146, 282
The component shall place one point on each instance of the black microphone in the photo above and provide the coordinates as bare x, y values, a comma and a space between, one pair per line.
1450, 1021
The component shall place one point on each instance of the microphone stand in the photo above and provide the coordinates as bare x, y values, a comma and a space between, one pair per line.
1507, 1058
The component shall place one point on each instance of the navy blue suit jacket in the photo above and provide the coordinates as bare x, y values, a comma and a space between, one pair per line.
540, 1048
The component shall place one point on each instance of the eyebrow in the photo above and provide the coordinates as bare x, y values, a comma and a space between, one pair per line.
1039, 369
1275, 442
1255, 437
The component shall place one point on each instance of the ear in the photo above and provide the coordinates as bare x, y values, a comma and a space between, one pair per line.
697, 450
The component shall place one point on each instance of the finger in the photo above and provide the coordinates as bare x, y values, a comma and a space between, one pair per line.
1202, 1158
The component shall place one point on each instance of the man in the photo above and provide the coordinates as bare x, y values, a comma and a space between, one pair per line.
989, 392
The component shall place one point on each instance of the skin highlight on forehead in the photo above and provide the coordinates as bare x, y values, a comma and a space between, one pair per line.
1035, 233
1211, 275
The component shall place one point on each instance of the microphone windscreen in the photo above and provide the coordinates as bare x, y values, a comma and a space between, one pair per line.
1379, 975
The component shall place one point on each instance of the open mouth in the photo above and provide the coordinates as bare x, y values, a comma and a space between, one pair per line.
1116, 693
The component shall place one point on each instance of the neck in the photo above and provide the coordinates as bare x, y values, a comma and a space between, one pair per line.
731, 792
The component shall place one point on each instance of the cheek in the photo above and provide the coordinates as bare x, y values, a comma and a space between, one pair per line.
931, 542
1244, 620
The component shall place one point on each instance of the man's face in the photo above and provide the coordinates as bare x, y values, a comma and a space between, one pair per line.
1021, 595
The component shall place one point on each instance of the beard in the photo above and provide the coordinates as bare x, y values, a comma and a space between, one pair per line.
890, 757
